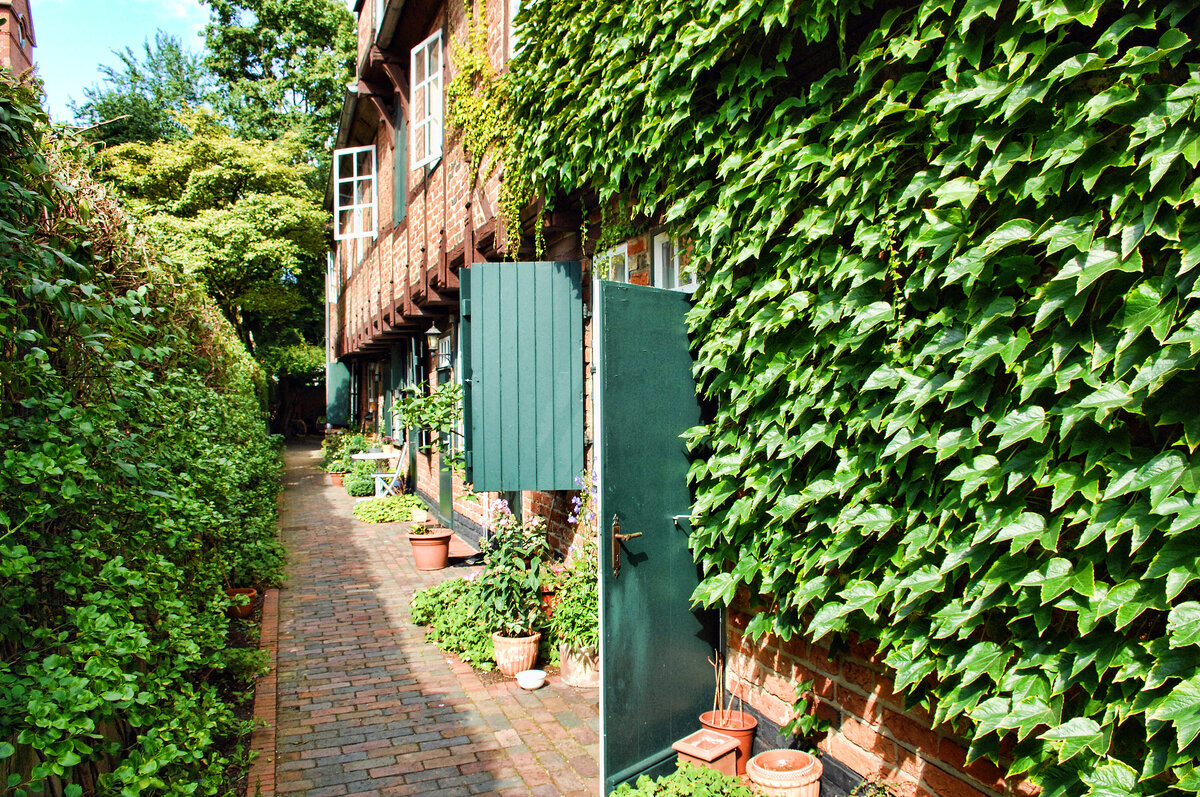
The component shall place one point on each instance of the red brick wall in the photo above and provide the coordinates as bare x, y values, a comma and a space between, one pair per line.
871, 730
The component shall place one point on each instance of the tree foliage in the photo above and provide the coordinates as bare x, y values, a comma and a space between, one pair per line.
136, 483
284, 66
137, 100
948, 312
239, 215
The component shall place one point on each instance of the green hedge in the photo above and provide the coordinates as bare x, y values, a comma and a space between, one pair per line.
136, 482
948, 312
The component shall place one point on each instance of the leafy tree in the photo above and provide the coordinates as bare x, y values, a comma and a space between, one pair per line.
284, 64
136, 99
240, 215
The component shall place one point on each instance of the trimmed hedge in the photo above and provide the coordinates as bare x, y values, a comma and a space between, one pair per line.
136, 482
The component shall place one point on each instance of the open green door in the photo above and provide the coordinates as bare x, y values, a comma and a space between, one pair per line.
654, 648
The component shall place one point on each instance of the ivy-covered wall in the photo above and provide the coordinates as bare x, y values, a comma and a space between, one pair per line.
137, 482
948, 314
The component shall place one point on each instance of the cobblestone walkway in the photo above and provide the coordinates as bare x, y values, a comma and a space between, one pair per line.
367, 707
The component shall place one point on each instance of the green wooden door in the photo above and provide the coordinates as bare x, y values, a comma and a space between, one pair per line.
654, 648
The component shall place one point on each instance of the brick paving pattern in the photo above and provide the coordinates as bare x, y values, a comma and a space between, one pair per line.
365, 707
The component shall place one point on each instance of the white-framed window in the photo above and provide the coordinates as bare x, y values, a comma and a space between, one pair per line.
513, 40
380, 11
667, 257
613, 264
354, 195
426, 97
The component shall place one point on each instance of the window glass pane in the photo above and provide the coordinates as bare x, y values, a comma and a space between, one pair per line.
364, 162
362, 193
368, 219
345, 165
345, 192
345, 219
419, 71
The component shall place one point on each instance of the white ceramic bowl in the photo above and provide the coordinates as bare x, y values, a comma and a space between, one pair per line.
531, 679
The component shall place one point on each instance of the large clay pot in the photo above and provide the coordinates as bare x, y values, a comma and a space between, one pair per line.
431, 551
735, 724
514, 654
786, 773
336, 477
580, 666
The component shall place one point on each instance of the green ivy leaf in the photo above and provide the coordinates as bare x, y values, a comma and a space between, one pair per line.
1179, 709
1183, 624
1074, 736
961, 191
1111, 780
1024, 424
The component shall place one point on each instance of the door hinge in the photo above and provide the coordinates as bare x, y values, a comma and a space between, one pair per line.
465, 308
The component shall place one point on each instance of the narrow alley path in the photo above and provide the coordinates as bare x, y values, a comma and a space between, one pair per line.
366, 707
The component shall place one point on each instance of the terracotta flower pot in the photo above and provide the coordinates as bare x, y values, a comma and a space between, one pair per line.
336, 477
242, 610
786, 773
514, 654
580, 665
431, 551
736, 724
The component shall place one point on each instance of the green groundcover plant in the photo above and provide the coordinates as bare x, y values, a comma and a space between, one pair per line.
688, 780
136, 482
948, 315
388, 508
456, 620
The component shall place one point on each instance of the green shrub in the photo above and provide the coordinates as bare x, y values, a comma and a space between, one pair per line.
457, 620
688, 780
388, 508
360, 481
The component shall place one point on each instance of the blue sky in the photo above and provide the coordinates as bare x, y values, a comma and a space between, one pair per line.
74, 37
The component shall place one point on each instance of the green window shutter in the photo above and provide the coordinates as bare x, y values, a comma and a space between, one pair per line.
522, 333
337, 393
400, 169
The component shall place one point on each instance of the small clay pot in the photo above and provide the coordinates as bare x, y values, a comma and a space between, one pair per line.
242, 611
736, 724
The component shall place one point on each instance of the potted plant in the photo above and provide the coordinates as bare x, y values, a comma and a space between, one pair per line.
508, 587
389, 447
242, 599
736, 724
337, 450
430, 546
576, 618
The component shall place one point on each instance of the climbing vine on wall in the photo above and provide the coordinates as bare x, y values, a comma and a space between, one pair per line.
949, 315
478, 106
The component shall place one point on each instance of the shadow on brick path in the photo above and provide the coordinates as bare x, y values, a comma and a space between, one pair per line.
366, 706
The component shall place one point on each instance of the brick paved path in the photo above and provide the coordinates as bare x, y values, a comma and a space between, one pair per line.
367, 707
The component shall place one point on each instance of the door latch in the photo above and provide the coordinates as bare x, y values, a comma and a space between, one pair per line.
617, 539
